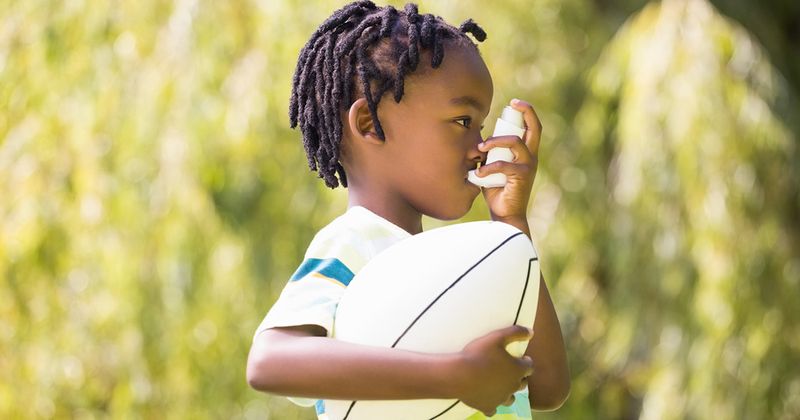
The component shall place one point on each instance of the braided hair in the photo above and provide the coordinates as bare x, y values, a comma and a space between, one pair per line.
364, 50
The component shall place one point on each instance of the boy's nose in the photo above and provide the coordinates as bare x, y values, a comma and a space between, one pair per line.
474, 153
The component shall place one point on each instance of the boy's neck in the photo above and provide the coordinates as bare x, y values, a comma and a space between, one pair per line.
400, 214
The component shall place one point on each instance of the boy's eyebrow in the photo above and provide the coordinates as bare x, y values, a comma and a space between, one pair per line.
469, 101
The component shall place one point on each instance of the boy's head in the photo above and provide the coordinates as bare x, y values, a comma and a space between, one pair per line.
358, 55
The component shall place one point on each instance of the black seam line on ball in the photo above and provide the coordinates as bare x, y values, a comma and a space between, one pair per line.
436, 300
446, 410
348, 410
430, 305
525, 289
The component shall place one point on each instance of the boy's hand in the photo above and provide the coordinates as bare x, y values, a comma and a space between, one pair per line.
510, 203
488, 375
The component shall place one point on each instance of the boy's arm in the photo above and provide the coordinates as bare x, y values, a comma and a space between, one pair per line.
549, 384
302, 362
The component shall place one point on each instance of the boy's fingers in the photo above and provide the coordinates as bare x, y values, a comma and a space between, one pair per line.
533, 132
503, 167
500, 141
517, 146
516, 333
510, 334
509, 401
527, 363
523, 384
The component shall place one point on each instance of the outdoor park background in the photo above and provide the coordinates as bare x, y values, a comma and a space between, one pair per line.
153, 200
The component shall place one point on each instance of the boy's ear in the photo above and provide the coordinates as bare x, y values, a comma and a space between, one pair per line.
360, 120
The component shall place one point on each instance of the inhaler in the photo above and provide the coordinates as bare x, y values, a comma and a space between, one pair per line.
510, 123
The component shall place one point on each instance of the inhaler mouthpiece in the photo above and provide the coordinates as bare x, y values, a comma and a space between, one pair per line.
510, 123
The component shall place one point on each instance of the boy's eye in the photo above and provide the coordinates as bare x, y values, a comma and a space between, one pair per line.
464, 121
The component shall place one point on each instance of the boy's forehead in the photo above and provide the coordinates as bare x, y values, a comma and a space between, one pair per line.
461, 80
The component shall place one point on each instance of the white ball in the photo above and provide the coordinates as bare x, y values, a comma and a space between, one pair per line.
435, 292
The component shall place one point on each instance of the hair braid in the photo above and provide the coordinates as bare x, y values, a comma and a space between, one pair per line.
361, 49
358, 8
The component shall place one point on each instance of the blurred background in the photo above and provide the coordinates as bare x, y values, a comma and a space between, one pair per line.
153, 200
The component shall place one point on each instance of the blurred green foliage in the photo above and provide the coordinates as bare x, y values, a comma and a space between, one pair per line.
154, 201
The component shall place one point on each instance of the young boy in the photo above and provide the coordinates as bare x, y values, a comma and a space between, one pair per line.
390, 104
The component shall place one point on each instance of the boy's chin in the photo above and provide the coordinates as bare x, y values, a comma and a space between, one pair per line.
453, 212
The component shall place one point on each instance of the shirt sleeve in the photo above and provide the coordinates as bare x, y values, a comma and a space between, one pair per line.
312, 293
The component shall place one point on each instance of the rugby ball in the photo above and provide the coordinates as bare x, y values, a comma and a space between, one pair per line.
435, 292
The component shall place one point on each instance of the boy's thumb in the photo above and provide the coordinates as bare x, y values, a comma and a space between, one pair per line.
516, 341
517, 333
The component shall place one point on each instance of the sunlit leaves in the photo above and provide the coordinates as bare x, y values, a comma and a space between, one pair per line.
154, 202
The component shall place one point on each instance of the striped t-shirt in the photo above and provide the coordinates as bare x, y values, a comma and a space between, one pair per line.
336, 254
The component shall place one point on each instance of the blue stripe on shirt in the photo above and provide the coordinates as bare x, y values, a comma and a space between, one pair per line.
320, 407
328, 267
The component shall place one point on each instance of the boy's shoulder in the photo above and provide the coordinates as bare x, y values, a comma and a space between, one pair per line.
357, 235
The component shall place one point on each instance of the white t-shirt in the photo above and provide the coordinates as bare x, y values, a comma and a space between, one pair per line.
335, 255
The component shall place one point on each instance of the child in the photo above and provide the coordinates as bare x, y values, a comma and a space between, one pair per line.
390, 104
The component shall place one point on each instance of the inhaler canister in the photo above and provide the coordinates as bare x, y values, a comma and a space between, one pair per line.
510, 123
